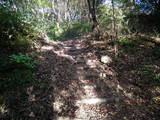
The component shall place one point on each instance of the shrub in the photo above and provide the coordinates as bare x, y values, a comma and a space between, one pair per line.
14, 31
16, 71
23, 59
75, 29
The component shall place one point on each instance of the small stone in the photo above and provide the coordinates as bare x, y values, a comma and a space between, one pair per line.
106, 59
31, 114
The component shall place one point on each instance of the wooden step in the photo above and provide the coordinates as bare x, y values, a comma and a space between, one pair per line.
94, 101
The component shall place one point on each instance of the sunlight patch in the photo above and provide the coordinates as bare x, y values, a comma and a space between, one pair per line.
62, 54
92, 101
89, 86
57, 106
92, 63
3, 109
47, 48
103, 75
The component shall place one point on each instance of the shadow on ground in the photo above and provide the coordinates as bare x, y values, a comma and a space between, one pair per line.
60, 83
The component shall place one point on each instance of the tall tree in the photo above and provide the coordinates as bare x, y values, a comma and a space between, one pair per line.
92, 12
92, 5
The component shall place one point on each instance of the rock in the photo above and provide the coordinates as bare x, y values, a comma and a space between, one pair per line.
106, 59
31, 114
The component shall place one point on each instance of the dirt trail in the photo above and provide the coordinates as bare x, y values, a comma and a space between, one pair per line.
75, 85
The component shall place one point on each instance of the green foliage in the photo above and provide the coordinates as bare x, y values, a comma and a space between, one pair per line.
66, 31
154, 52
16, 70
150, 74
15, 33
105, 19
16, 78
23, 59
77, 29
104, 15
124, 40
134, 44
145, 71
74, 22
55, 30
128, 45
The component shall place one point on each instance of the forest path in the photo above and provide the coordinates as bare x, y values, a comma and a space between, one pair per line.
76, 85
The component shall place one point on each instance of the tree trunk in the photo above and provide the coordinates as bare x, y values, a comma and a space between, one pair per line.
92, 12
114, 32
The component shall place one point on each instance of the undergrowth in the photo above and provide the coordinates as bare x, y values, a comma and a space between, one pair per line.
16, 71
143, 55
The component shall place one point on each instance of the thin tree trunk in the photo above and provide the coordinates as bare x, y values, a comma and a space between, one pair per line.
114, 32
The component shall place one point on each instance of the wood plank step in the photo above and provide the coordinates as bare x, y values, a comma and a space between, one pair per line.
94, 101
90, 101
